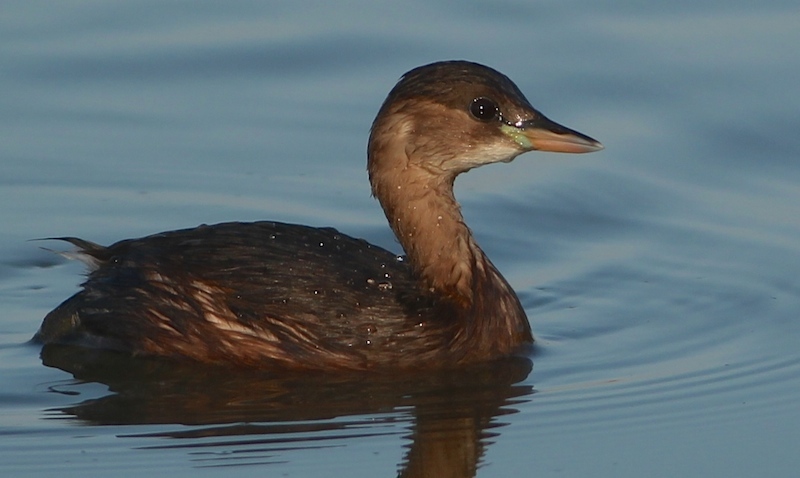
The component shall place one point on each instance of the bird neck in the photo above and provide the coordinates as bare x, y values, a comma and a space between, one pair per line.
417, 198
418, 201
427, 221
416, 192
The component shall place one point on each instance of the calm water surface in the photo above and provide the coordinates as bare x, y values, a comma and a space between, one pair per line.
660, 275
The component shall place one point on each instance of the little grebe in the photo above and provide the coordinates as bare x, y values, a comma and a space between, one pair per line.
268, 294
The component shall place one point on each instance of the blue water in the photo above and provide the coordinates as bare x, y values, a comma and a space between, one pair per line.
660, 275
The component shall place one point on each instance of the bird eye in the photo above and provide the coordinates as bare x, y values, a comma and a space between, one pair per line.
484, 109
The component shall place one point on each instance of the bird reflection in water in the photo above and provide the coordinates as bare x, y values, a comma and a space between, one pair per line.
451, 415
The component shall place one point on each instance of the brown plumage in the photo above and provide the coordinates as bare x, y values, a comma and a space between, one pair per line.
269, 294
